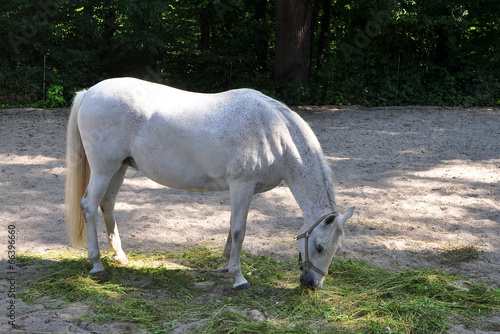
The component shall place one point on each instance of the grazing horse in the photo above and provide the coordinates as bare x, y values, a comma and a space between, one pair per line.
240, 140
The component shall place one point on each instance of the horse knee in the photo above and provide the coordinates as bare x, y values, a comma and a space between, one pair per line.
84, 202
88, 213
87, 210
238, 235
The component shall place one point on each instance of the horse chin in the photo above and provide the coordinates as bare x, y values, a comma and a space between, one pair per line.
311, 279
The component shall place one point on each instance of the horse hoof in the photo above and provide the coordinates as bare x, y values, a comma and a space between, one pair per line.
243, 287
123, 261
100, 275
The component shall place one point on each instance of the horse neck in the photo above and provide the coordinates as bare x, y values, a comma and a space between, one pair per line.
310, 180
306, 171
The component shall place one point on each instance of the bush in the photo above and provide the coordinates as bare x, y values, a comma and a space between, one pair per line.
364, 52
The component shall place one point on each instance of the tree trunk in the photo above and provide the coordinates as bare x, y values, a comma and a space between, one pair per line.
323, 40
293, 41
205, 30
262, 32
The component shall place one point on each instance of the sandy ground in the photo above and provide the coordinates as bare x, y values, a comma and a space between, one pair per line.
424, 180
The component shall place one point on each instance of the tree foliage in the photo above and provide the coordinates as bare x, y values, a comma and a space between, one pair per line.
362, 52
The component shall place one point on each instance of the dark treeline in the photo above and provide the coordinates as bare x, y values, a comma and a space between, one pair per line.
371, 52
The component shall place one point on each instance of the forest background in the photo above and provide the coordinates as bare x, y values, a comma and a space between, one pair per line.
318, 52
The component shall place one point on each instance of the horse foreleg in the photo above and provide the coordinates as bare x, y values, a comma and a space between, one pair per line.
107, 209
241, 196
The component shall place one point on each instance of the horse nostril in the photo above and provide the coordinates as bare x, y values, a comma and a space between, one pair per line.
309, 284
308, 281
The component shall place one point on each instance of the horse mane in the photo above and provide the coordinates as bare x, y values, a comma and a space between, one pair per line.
299, 127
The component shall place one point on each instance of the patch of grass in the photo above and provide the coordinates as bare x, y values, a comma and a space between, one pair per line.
161, 291
456, 254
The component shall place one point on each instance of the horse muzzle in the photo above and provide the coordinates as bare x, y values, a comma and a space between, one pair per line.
310, 279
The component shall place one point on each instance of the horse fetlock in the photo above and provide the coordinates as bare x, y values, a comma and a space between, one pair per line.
94, 255
120, 260
235, 270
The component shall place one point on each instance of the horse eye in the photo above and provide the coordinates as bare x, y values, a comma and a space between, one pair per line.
320, 248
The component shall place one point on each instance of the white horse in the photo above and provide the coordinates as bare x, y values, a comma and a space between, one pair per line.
239, 140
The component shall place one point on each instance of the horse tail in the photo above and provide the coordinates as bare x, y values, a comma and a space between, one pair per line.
77, 176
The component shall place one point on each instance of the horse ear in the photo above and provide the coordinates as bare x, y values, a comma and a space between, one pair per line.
348, 214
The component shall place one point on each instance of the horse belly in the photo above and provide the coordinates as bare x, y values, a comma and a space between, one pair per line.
193, 166
188, 179
178, 166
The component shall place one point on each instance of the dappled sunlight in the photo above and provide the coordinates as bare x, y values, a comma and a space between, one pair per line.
452, 189
14, 159
153, 262
414, 214
464, 171
123, 206
420, 180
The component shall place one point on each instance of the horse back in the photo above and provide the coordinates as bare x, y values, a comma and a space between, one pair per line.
187, 140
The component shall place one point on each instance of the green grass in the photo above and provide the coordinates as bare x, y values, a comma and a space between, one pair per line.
161, 291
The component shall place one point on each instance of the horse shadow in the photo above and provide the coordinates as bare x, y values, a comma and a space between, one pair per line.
175, 293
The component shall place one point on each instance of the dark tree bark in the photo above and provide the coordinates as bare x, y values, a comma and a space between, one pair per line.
293, 41
205, 30
324, 38
262, 31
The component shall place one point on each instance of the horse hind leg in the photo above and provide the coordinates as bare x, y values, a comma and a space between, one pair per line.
89, 204
97, 187
241, 196
227, 252
107, 209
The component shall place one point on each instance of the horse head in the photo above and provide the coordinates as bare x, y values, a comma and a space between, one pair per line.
318, 244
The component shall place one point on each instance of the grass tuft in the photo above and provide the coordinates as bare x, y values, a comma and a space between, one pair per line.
162, 291
456, 254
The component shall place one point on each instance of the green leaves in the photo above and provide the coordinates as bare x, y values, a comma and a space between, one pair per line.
364, 52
